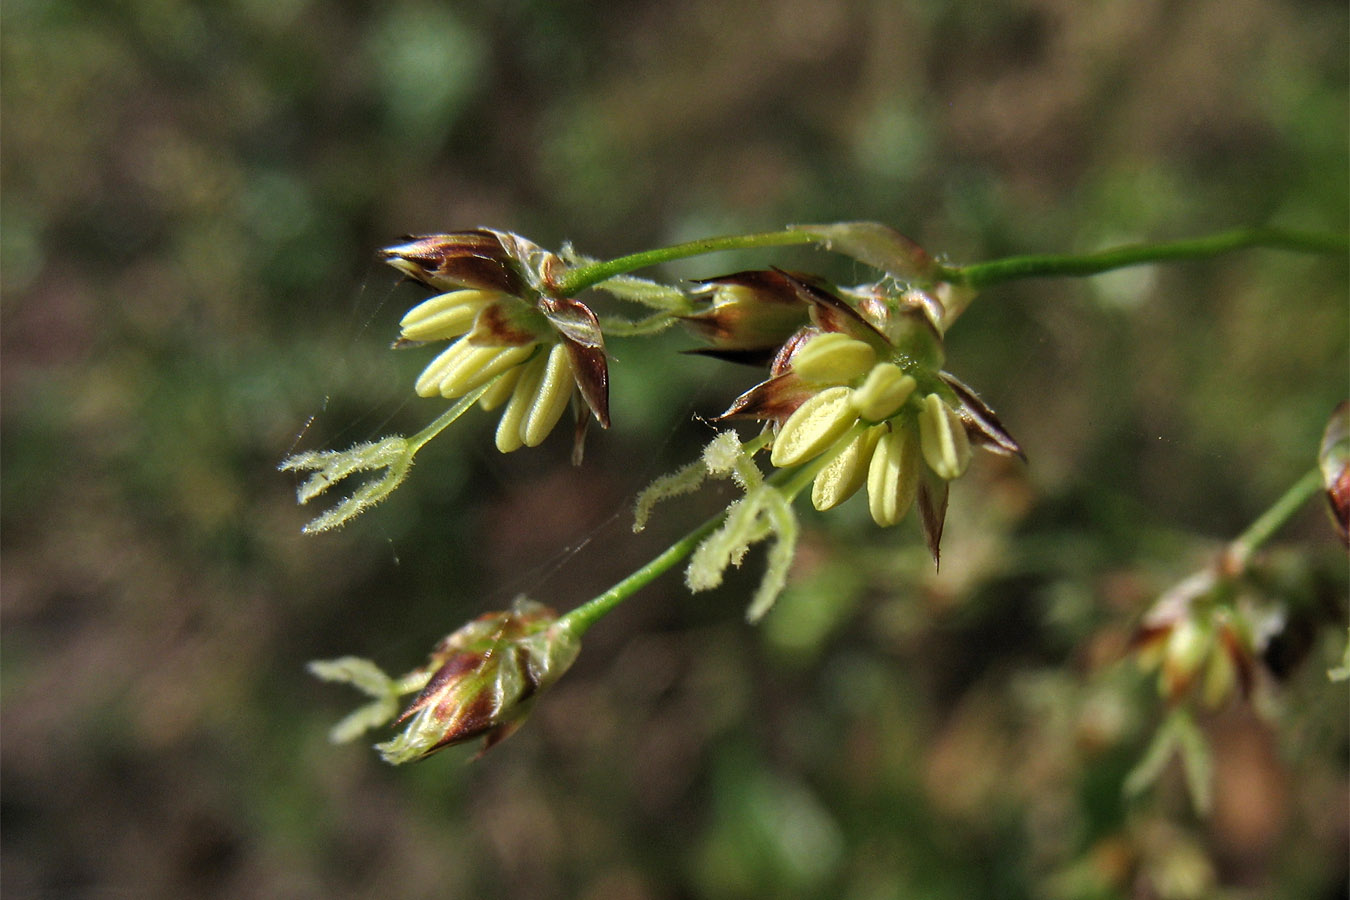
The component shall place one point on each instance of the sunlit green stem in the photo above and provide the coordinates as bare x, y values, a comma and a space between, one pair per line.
586, 615
791, 482
1270, 521
981, 275
584, 276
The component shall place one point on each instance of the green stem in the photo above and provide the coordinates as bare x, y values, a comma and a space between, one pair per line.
586, 615
1270, 521
981, 275
580, 278
790, 481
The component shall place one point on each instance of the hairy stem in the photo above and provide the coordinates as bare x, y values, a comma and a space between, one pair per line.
981, 275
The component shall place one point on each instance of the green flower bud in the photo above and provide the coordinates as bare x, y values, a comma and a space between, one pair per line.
893, 476
942, 437
833, 358
883, 392
816, 424
846, 472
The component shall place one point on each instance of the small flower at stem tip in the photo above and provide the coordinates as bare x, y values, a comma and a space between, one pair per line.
501, 308
484, 677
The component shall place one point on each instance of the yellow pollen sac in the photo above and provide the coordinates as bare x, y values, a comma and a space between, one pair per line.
846, 472
816, 424
429, 382
942, 436
539, 400
444, 316
833, 359
884, 391
893, 476
502, 388
479, 365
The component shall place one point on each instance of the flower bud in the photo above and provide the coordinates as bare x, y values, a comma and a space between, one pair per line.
756, 310
485, 676
833, 358
942, 436
846, 472
883, 392
816, 424
482, 259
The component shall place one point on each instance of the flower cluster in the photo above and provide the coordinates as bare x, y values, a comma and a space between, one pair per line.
1201, 633
509, 326
860, 389
479, 681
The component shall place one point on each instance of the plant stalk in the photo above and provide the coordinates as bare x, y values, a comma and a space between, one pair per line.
580, 278
981, 275
1272, 520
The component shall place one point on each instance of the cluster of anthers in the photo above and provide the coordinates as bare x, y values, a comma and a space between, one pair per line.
509, 325
858, 391
855, 391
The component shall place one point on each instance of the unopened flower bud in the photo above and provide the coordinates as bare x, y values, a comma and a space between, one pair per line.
846, 472
485, 676
883, 392
756, 310
893, 476
816, 424
833, 358
942, 436
482, 259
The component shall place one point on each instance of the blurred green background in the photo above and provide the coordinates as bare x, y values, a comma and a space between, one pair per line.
192, 197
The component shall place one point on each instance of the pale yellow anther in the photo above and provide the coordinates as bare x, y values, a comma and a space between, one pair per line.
883, 392
429, 382
508, 426
893, 476
444, 316
501, 389
942, 436
478, 365
846, 472
539, 400
816, 424
832, 358
550, 399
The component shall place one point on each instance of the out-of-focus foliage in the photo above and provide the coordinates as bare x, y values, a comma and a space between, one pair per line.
192, 195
